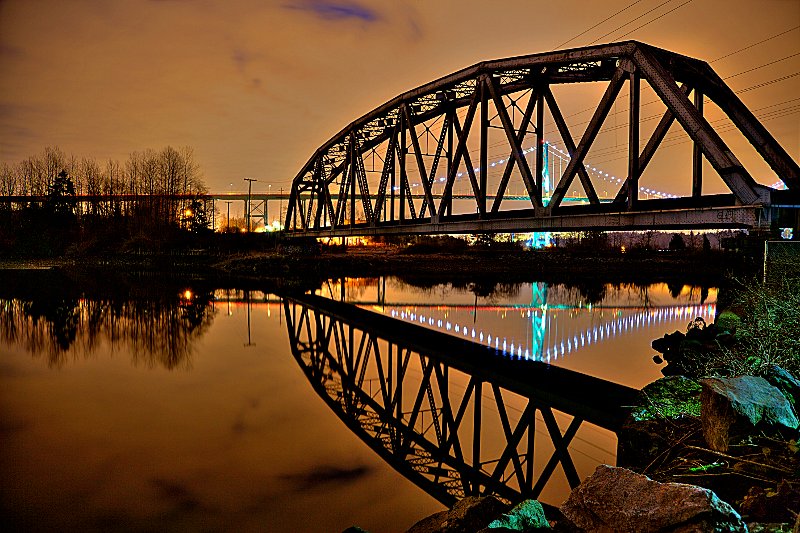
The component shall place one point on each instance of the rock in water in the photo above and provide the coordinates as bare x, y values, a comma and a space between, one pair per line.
617, 499
527, 517
730, 402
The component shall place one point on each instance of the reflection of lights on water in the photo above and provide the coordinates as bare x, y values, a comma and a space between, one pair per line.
572, 342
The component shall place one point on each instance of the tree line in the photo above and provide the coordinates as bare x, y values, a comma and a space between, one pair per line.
146, 196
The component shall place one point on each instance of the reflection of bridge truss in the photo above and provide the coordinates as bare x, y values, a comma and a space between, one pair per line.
427, 402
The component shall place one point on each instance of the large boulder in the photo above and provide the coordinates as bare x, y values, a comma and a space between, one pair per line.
786, 382
731, 405
468, 515
617, 499
525, 517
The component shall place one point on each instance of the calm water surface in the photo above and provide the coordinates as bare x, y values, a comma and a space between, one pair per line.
183, 408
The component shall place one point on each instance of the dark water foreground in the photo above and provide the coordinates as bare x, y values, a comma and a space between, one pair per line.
145, 402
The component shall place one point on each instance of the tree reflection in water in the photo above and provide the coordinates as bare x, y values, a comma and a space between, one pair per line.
156, 331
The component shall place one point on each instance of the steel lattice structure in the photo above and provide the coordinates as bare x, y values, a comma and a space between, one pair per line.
336, 194
424, 400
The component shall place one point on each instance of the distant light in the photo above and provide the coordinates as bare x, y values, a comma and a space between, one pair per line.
787, 233
187, 294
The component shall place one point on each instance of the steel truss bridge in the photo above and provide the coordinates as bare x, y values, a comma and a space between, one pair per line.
365, 180
422, 400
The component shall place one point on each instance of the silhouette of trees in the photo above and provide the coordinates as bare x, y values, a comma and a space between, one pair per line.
147, 197
61, 197
677, 242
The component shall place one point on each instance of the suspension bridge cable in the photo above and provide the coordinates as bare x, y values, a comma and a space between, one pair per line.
598, 24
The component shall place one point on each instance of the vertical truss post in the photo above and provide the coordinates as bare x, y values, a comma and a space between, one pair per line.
448, 198
633, 140
402, 157
353, 171
484, 162
539, 142
289, 208
697, 153
391, 152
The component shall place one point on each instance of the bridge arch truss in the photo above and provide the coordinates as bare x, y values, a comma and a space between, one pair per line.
394, 169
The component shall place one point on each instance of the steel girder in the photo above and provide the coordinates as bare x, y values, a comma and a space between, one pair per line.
494, 84
422, 400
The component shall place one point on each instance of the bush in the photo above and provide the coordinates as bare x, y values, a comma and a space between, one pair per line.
759, 329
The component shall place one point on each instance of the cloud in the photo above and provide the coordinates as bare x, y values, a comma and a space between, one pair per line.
325, 474
177, 495
335, 10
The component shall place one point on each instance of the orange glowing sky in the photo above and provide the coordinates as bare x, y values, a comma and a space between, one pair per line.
256, 86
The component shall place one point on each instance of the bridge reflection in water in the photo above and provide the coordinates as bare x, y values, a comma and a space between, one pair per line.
455, 417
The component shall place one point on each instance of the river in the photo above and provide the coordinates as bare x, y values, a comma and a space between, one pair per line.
179, 405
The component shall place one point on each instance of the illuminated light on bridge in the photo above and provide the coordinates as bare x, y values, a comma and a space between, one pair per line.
565, 345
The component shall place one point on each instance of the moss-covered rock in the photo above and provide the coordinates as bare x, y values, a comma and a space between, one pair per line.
668, 398
527, 517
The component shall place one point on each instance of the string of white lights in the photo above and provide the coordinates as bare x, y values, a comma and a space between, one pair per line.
566, 344
565, 157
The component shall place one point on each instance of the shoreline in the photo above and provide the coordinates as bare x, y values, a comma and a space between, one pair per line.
699, 269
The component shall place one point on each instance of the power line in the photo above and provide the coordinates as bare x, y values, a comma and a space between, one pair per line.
655, 19
770, 82
599, 23
755, 44
631, 21
761, 66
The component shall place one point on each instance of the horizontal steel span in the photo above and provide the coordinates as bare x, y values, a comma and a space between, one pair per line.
710, 218
360, 182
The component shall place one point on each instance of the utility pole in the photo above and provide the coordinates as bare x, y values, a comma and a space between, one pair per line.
280, 209
247, 207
